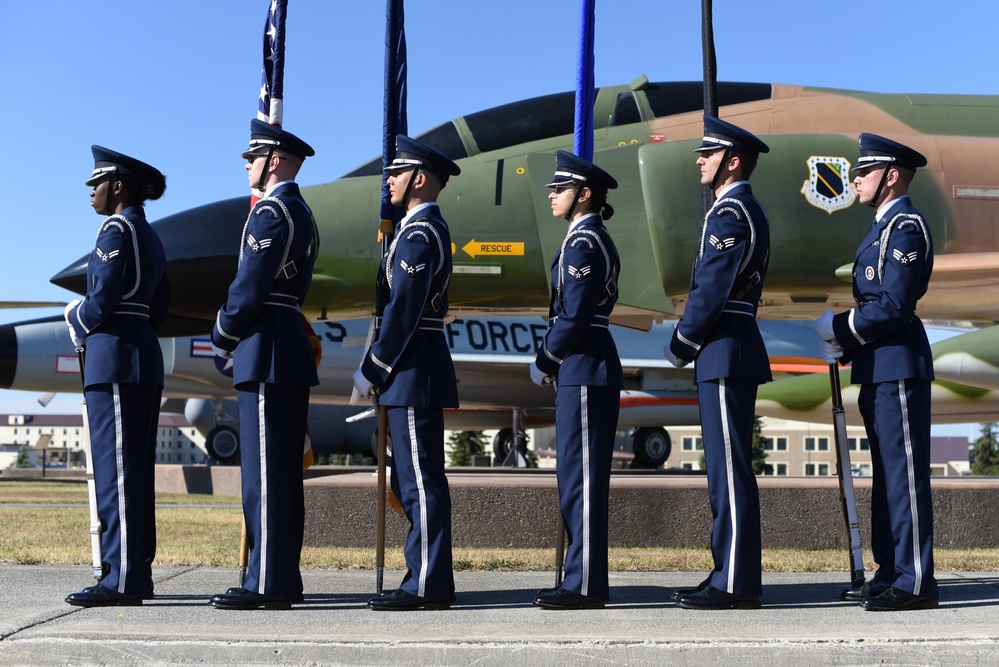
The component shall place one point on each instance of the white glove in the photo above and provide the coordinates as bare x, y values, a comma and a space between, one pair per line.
672, 358
824, 326
362, 384
830, 350
219, 352
538, 377
68, 314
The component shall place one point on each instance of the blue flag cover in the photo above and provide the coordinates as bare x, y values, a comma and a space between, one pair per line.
394, 106
271, 103
585, 92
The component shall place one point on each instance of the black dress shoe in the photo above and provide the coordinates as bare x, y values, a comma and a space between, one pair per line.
240, 598
400, 600
712, 598
895, 599
870, 589
560, 598
149, 593
690, 590
101, 596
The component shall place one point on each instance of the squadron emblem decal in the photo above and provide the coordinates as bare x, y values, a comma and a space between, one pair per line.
828, 186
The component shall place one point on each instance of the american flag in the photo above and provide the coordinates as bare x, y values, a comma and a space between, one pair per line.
271, 102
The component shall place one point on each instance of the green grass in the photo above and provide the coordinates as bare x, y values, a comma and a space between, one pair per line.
209, 536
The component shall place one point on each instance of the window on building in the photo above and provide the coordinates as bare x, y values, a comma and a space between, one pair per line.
859, 444
816, 469
777, 443
693, 443
813, 444
778, 469
864, 470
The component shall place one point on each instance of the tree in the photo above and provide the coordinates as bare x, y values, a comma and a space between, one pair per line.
760, 465
22, 459
985, 451
465, 445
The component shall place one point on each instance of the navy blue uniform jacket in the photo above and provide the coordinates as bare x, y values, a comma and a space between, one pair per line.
261, 321
882, 335
718, 329
578, 348
409, 360
127, 299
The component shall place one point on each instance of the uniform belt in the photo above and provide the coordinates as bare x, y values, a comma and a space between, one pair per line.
426, 324
599, 321
740, 308
133, 308
278, 299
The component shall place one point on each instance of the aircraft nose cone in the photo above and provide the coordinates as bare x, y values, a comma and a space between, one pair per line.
8, 356
202, 251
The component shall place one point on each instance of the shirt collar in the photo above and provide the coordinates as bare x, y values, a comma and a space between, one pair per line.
268, 191
885, 208
579, 221
414, 212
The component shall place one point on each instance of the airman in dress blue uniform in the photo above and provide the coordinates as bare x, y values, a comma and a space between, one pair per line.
127, 299
579, 358
408, 369
718, 330
892, 362
261, 327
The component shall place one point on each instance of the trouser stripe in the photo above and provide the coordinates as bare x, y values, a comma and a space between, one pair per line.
911, 475
262, 453
414, 450
730, 482
585, 429
119, 459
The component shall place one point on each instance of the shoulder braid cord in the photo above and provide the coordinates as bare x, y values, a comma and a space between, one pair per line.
610, 285
756, 276
435, 300
886, 235
135, 250
286, 269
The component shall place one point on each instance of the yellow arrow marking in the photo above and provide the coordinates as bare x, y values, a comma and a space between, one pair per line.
474, 248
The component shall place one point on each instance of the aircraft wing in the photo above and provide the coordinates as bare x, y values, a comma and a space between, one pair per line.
966, 389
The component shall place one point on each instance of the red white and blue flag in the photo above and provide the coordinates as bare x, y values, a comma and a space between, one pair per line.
271, 101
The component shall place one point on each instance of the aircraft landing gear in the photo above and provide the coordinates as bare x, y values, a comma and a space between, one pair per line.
222, 444
503, 442
652, 447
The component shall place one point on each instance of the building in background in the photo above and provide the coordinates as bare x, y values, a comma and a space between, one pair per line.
59, 437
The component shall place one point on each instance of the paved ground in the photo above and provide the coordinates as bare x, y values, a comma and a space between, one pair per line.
493, 624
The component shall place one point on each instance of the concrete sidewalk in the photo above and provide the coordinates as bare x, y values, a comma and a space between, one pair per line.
492, 624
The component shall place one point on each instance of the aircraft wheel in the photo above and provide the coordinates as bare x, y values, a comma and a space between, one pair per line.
503, 442
222, 443
652, 447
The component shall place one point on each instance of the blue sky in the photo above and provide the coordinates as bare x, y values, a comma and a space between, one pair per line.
175, 84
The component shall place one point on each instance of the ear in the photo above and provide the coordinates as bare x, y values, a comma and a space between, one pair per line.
584, 194
734, 162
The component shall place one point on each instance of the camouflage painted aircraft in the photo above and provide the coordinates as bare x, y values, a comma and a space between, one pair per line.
504, 235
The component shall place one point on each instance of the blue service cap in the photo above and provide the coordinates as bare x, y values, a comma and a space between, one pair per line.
107, 161
875, 150
570, 168
410, 153
719, 134
264, 136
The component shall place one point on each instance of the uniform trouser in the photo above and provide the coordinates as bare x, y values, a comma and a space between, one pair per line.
585, 423
897, 417
727, 409
123, 421
418, 481
272, 421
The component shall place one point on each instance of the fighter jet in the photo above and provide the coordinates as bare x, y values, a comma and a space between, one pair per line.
504, 236
491, 356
